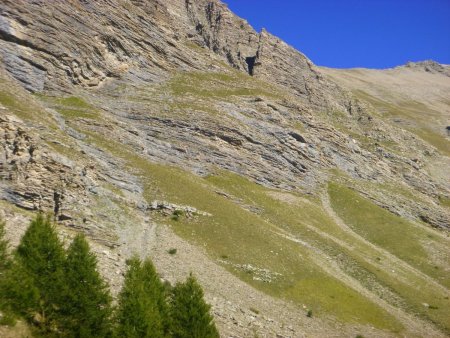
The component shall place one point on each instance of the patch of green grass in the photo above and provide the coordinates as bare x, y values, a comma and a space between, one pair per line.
15, 209
440, 142
23, 105
299, 126
444, 201
7, 320
219, 85
114, 189
70, 107
8, 100
73, 101
76, 113
252, 309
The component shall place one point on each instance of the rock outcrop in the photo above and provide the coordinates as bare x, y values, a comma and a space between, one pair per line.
107, 107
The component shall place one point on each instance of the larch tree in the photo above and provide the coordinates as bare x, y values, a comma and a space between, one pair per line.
142, 311
39, 274
86, 309
190, 316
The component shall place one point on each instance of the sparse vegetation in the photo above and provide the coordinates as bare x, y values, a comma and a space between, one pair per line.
219, 85
172, 251
255, 311
177, 214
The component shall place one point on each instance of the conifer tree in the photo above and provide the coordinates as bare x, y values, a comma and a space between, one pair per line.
156, 291
142, 311
39, 274
18, 294
86, 307
190, 317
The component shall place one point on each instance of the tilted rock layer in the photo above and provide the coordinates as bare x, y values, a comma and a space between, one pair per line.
108, 106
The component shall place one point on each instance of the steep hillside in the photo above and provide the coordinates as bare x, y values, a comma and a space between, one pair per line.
414, 97
299, 188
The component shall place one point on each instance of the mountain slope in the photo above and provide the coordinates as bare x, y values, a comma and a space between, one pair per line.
306, 195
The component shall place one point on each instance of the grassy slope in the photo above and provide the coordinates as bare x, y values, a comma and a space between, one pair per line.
321, 265
417, 116
246, 238
406, 241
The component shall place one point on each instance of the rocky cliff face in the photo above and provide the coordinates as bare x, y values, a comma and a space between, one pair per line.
108, 106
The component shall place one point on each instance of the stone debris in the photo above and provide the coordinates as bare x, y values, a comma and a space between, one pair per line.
258, 274
170, 208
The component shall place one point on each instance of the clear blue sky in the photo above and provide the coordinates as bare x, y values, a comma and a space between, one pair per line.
356, 33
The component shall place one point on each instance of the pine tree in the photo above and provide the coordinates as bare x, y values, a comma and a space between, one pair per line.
86, 308
142, 309
190, 317
39, 268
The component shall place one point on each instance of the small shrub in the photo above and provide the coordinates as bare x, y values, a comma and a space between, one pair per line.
172, 251
309, 313
177, 214
256, 311
7, 320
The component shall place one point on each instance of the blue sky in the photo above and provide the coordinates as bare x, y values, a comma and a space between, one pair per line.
356, 33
